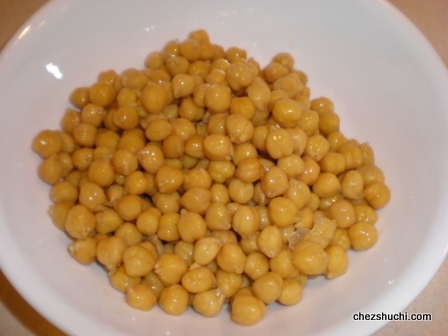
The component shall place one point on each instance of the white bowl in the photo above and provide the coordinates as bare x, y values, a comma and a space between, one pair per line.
389, 88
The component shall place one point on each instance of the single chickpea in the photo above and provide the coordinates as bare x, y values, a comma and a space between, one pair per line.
218, 147
274, 182
256, 265
170, 268
370, 173
153, 282
218, 217
322, 105
231, 258
245, 221
293, 165
337, 261
173, 146
80, 222
327, 185
107, 221
153, 98
83, 250
101, 172
282, 212
247, 309
129, 207
309, 257
131, 141
279, 142
191, 226
198, 279
282, 264
291, 292
138, 261
79, 97
47, 143
174, 299
260, 95
109, 252
341, 238
268, 287
274, 71
129, 233
197, 177
166, 203
270, 241
362, 236
102, 93
353, 155
63, 192
120, 280
196, 199
168, 179
311, 171
240, 191
239, 128
217, 98
158, 130
141, 297
377, 195
148, 221
208, 303
167, 227
151, 158
352, 185
286, 112
58, 213
219, 193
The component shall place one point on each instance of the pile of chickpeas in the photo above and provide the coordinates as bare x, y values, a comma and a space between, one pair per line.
203, 179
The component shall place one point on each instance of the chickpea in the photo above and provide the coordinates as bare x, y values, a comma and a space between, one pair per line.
63, 192
79, 222
353, 155
309, 257
218, 217
231, 258
102, 93
268, 287
282, 264
129, 233
370, 174
337, 261
286, 112
377, 195
352, 185
279, 142
168, 179
109, 251
282, 212
107, 221
58, 213
129, 207
221, 171
291, 292
247, 309
120, 280
47, 143
92, 196
240, 191
208, 303
198, 279
151, 158
256, 265
170, 268
270, 241
191, 226
327, 185
217, 98
141, 297
83, 250
365, 213
138, 261
274, 182
196, 199
197, 177
260, 95
245, 221
219, 193
166, 203
167, 227
322, 105
158, 130
101, 172
174, 299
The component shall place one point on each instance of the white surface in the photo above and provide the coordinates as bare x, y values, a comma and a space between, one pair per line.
387, 84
